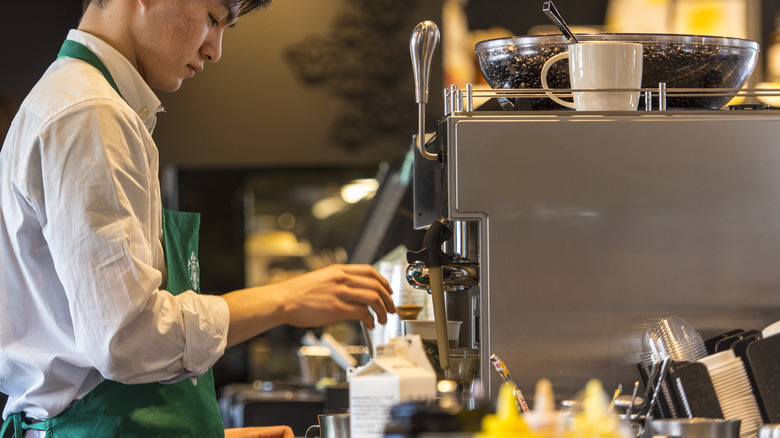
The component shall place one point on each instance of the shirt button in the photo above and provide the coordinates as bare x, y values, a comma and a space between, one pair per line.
144, 113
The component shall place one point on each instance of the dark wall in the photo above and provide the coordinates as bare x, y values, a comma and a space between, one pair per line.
31, 40
519, 16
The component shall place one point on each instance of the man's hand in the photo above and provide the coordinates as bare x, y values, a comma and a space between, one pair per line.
315, 299
336, 293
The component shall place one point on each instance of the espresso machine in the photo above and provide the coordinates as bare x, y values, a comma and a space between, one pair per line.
568, 233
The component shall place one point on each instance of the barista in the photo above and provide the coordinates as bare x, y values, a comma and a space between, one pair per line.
102, 329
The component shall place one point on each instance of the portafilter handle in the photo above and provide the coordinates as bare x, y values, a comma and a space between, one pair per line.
435, 258
422, 45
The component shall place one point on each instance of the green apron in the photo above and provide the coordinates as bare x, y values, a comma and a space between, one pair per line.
115, 409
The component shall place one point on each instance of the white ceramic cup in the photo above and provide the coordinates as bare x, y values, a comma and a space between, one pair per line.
599, 65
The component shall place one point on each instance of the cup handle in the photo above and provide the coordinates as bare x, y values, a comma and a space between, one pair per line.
545, 69
312, 430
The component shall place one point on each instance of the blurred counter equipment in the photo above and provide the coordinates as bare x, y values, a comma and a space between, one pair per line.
317, 365
270, 404
772, 52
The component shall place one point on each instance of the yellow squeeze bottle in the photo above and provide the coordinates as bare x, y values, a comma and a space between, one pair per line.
544, 420
595, 419
507, 421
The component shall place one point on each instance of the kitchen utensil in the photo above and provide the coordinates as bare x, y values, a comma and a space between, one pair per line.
654, 384
600, 65
695, 428
552, 13
615, 395
630, 409
679, 61
330, 426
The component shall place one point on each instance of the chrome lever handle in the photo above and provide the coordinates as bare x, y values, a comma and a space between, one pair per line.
422, 46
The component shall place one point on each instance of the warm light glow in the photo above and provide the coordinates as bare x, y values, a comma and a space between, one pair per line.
359, 189
446, 386
327, 207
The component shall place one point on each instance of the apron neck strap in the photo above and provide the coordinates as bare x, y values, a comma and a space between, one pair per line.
73, 49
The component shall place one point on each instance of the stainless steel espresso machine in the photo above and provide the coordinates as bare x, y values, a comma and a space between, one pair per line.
573, 231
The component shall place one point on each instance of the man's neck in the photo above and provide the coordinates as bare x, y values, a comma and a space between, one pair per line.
108, 24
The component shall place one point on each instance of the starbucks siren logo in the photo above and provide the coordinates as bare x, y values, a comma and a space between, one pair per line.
193, 271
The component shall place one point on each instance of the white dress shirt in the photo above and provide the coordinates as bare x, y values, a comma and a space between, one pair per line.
81, 296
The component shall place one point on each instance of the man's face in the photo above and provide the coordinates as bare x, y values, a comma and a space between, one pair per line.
177, 37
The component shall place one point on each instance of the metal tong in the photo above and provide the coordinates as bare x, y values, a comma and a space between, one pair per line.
650, 398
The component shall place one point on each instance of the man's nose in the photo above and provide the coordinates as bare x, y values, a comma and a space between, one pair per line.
212, 47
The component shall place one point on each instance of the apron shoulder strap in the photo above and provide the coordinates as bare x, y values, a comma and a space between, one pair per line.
73, 49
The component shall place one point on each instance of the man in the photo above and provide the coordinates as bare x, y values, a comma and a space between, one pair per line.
102, 332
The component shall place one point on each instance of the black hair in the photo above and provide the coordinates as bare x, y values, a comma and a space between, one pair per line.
247, 6
98, 3
240, 8
237, 8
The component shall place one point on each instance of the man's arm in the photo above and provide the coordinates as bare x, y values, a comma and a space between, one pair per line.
325, 296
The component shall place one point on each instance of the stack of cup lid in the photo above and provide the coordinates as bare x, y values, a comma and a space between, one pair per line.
735, 394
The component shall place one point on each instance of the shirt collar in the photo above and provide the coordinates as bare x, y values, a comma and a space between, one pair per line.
134, 89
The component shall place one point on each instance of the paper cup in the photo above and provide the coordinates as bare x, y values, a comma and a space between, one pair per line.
427, 331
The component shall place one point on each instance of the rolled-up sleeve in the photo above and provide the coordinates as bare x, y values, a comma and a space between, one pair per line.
99, 206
